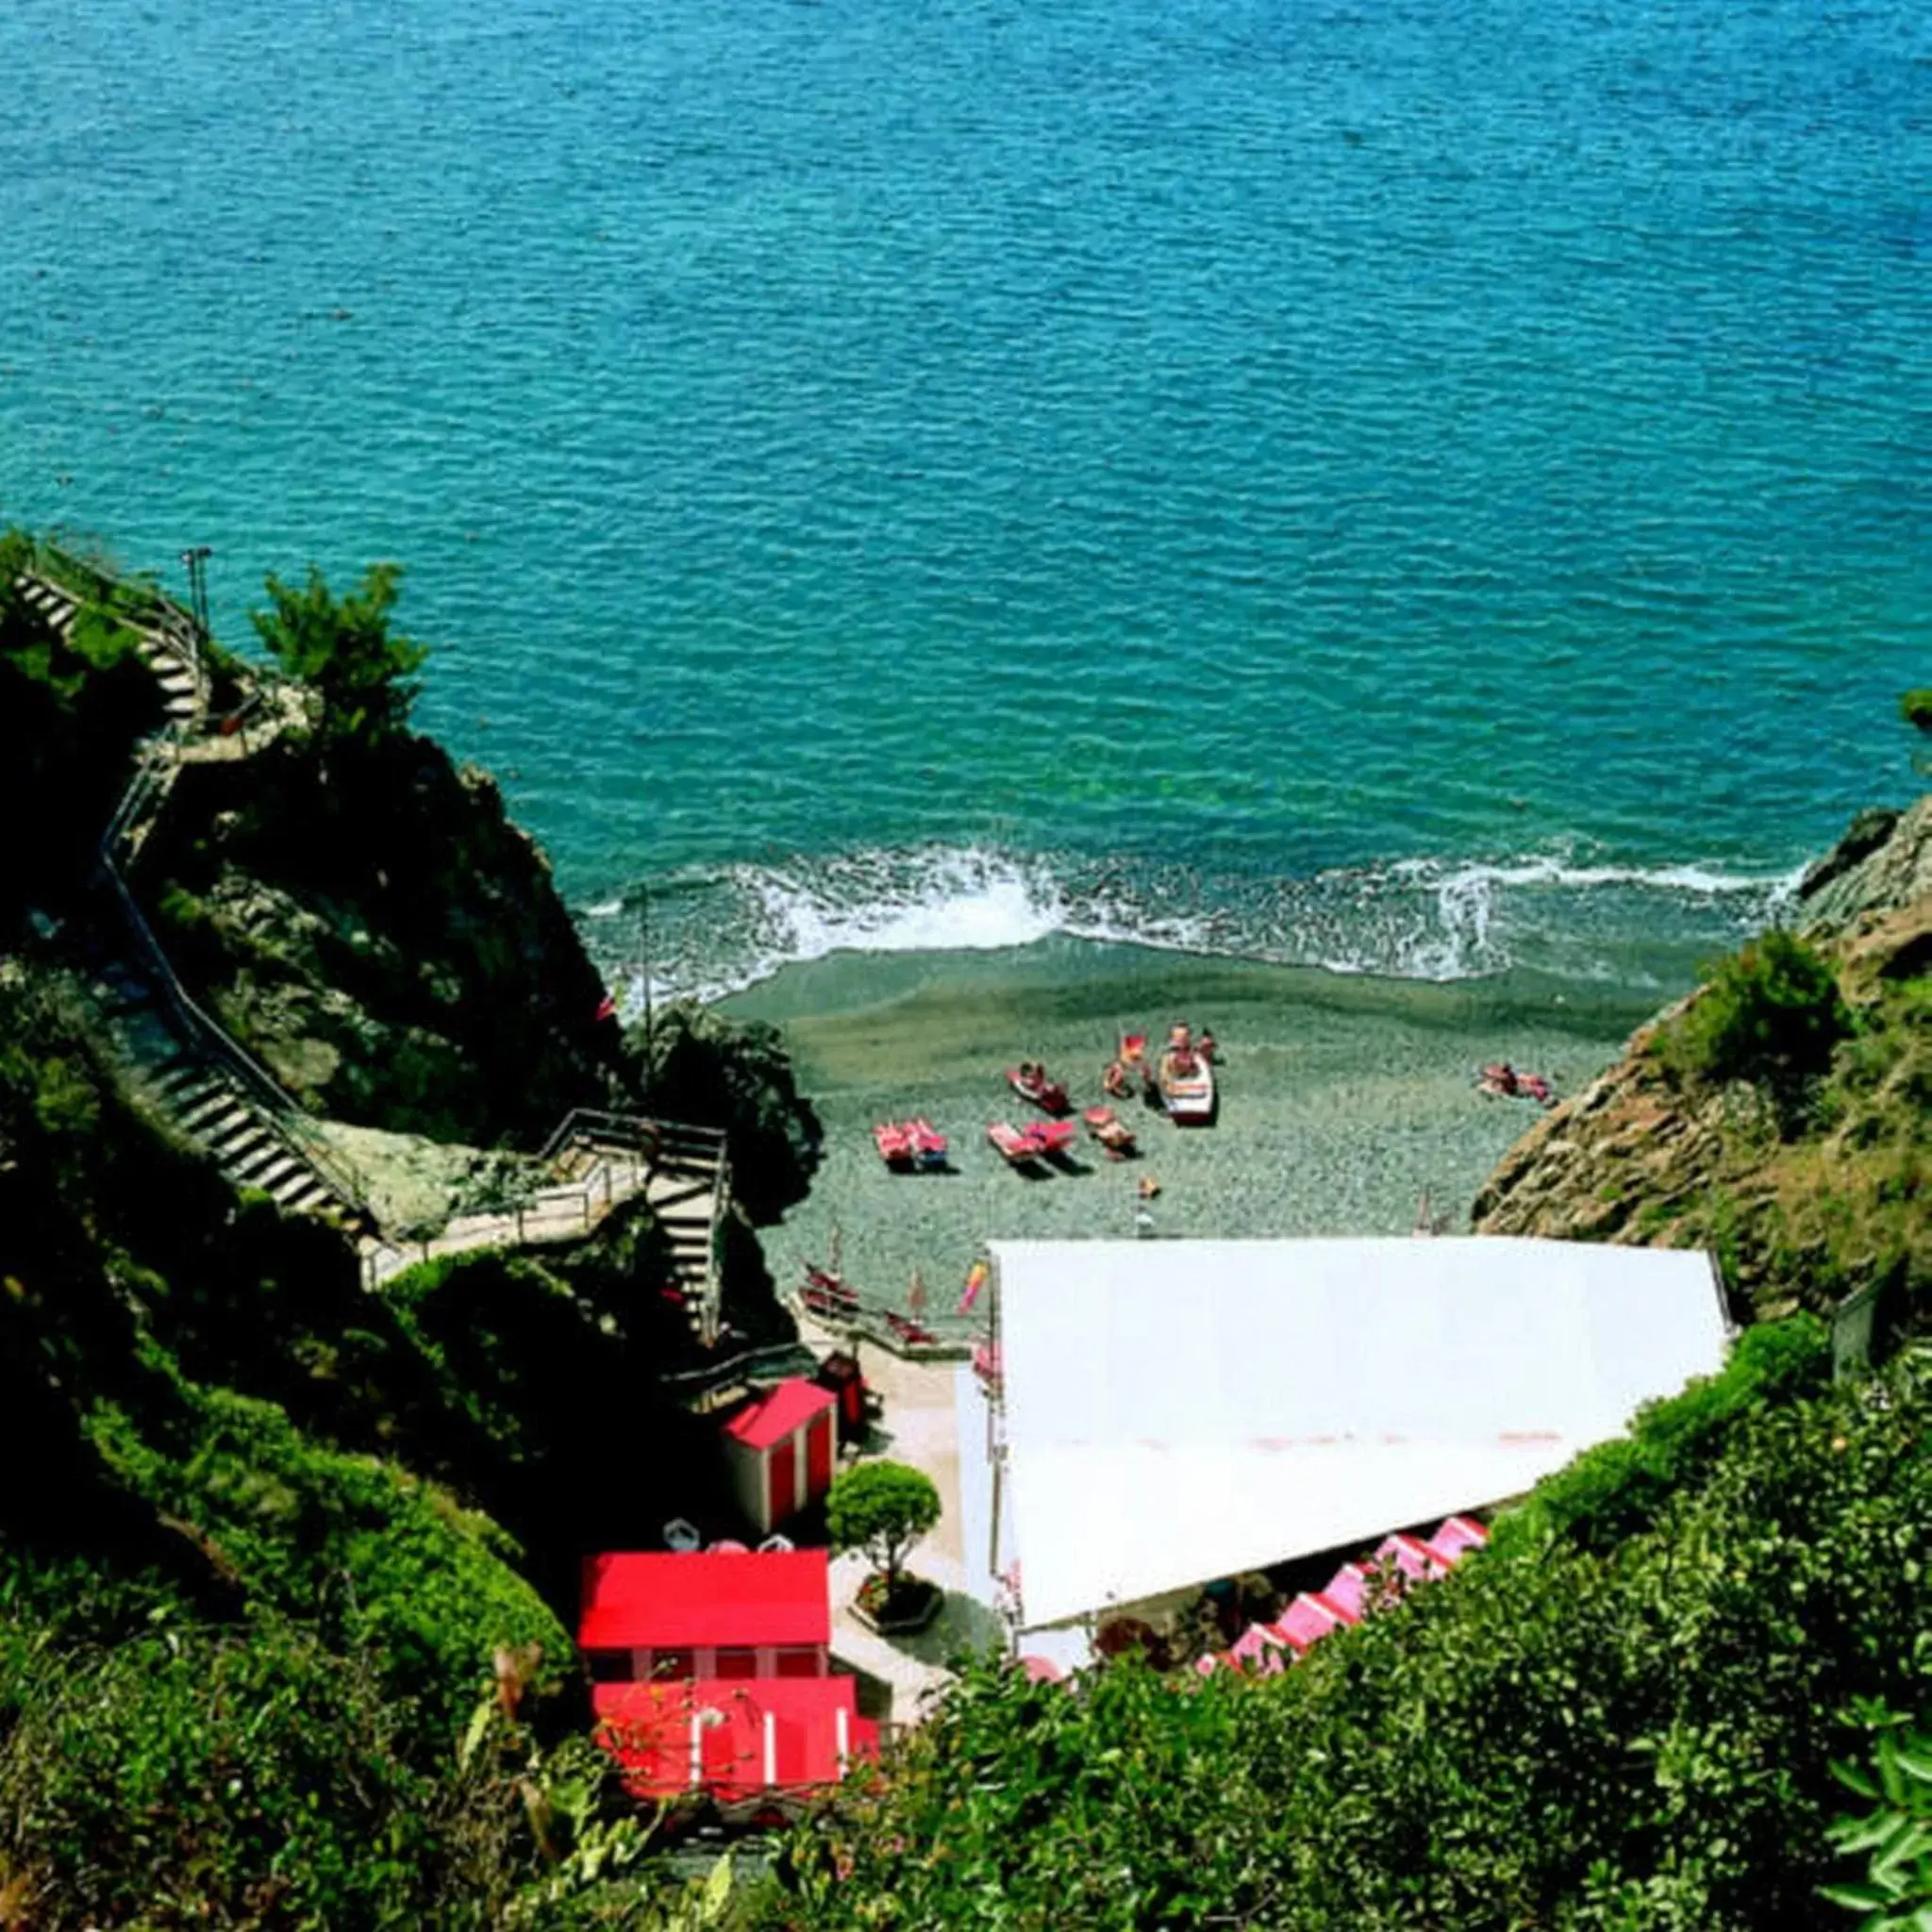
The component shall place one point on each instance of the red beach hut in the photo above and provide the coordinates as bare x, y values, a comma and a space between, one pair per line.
781, 1448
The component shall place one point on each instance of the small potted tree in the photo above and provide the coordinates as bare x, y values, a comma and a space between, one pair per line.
884, 1509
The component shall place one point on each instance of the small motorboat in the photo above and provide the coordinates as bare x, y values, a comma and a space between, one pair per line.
1029, 1081
1113, 1133
928, 1143
914, 1334
1187, 1081
825, 1294
896, 1143
1020, 1150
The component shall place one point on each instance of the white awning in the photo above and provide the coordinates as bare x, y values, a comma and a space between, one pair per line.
1177, 1411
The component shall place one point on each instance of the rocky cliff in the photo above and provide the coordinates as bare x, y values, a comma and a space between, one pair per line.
387, 939
1801, 1205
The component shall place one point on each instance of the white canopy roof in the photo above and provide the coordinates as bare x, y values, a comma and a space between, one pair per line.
1181, 1410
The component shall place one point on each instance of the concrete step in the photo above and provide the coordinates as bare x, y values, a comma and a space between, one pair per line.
274, 1174
235, 1147
669, 1199
245, 1168
206, 1110
299, 1183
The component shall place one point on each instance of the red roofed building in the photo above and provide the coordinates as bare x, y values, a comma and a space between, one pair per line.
781, 1448
736, 1741
711, 1614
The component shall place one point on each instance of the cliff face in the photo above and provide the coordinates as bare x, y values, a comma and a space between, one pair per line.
385, 940
1801, 1210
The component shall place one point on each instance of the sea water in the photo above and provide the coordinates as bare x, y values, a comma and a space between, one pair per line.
1406, 488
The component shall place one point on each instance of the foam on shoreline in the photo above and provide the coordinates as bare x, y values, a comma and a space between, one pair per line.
715, 931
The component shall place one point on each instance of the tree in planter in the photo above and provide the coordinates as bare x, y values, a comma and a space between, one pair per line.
882, 1508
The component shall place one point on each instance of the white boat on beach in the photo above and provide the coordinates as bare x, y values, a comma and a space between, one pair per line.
1187, 1081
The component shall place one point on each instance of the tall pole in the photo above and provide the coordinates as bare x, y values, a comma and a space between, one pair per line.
645, 971
196, 559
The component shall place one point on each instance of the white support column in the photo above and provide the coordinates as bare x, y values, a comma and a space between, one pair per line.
771, 1750
842, 1723
697, 1749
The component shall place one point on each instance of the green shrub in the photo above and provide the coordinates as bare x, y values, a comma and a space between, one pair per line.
1894, 1835
1619, 1488
1915, 707
1550, 1736
1770, 1014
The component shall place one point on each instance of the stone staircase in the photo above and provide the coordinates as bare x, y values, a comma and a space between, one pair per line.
217, 1095
686, 1179
193, 1073
166, 645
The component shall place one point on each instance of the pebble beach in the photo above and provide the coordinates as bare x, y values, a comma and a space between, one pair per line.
1343, 1099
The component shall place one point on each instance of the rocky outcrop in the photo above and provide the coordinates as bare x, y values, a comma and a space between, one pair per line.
1882, 865
1798, 1216
387, 941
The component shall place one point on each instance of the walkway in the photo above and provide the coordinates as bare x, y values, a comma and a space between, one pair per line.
217, 1094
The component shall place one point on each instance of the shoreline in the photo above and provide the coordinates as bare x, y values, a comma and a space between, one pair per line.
1343, 1098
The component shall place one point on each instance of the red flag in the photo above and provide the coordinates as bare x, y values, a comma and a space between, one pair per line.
607, 1010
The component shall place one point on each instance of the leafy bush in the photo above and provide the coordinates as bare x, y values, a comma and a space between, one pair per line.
1550, 1736
389, 1563
342, 649
160, 1771
1915, 707
1770, 1014
1617, 1488
1895, 1834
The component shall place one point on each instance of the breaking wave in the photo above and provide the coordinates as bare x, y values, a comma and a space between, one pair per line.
712, 932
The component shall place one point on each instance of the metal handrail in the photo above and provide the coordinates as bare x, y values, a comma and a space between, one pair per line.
710, 1374
631, 1130
162, 619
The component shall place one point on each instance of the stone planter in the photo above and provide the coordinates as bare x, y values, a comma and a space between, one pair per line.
919, 1603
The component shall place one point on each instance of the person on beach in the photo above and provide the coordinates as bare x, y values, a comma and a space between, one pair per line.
1207, 1046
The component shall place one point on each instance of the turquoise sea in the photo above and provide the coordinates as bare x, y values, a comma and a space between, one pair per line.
1401, 487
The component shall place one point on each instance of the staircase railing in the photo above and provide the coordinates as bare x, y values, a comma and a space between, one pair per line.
154, 611
134, 815
634, 1132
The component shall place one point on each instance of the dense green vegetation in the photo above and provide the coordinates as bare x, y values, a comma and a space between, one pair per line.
341, 649
1561, 1735
1772, 1014
1817, 1120
280, 1535
70, 713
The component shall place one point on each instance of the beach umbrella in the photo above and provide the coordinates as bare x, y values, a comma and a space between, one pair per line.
975, 1279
